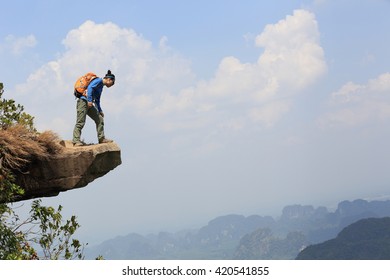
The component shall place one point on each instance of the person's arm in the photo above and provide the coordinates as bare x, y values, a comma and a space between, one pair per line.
97, 103
90, 91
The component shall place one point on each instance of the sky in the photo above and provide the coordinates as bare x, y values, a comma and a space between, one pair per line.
219, 107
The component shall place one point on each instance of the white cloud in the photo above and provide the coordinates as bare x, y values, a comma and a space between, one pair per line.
17, 45
156, 84
356, 104
292, 52
380, 84
349, 92
263, 90
270, 113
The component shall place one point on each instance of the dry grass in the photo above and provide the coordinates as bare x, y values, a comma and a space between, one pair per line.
19, 147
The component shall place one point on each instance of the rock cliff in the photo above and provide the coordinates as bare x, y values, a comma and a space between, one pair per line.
73, 167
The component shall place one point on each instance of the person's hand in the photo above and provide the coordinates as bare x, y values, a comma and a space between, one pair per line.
102, 114
90, 104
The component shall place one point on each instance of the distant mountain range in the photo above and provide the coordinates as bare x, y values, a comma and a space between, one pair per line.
366, 239
240, 237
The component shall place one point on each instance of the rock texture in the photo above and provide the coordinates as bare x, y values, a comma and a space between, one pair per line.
74, 167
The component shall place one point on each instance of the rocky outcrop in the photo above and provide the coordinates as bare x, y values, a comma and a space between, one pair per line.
73, 167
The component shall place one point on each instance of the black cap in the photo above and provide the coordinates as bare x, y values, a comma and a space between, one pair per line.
110, 75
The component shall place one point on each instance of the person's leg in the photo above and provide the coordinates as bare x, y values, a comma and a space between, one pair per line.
93, 113
81, 108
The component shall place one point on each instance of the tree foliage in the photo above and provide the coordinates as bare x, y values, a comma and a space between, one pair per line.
43, 234
44, 229
12, 113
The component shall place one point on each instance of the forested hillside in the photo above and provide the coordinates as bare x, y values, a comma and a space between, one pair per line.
367, 239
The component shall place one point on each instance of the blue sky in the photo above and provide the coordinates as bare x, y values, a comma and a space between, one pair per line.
219, 106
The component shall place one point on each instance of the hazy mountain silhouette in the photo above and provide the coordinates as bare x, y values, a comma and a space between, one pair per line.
240, 237
367, 239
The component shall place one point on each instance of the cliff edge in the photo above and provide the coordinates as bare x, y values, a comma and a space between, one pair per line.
71, 168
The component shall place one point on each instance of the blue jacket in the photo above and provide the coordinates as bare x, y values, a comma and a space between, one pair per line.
94, 92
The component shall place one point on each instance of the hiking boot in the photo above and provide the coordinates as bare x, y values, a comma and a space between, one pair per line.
78, 144
105, 140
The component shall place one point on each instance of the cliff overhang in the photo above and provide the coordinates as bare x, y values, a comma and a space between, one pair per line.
71, 168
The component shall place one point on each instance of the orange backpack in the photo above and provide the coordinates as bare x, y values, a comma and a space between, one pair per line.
81, 85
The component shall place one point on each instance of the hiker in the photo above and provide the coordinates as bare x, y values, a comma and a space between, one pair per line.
88, 103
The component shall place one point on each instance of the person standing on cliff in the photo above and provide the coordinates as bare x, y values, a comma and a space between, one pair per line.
89, 104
